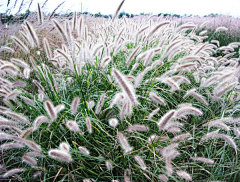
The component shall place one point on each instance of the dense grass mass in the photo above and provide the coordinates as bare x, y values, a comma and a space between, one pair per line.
95, 99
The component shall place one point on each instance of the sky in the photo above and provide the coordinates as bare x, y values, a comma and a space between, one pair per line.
106, 7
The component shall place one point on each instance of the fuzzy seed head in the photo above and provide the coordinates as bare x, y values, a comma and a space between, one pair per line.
113, 122
64, 147
84, 150
60, 155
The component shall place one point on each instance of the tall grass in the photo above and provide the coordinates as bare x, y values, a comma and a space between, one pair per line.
103, 100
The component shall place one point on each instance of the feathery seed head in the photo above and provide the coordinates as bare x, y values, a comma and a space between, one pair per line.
113, 122
64, 147
60, 155
84, 150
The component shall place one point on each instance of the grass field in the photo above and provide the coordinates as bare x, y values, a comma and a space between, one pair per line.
130, 99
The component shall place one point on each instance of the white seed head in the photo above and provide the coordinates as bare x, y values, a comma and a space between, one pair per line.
84, 150
113, 122
64, 147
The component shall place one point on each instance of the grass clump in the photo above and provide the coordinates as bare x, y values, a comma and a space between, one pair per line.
102, 103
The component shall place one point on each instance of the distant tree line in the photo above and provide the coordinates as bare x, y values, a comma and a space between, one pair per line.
21, 17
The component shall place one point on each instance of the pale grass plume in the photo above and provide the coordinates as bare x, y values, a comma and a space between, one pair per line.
130, 58
21, 45
60, 155
13, 94
6, 102
165, 118
138, 128
74, 22
169, 148
156, 98
5, 82
7, 146
6, 123
127, 175
140, 161
31, 144
35, 154
174, 130
124, 143
113, 122
216, 42
204, 24
109, 165
40, 87
217, 124
40, 16
153, 113
200, 48
64, 146
73, 126
180, 137
236, 131
39, 120
7, 49
185, 175
27, 132
148, 58
26, 73
29, 160
134, 67
226, 88
84, 150
61, 31
87, 180
169, 81
155, 138
89, 125
123, 111
203, 32
199, 97
126, 87
118, 9
157, 27
64, 54
183, 66
140, 76
80, 26
17, 117
96, 49
47, 48
59, 108
182, 111
41, 96
179, 79
210, 135
28, 101
37, 174
10, 69
19, 62
90, 104
74, 105
228, 139
12, 172
32, 33
169, 167
203, 159
100, 103
163, 177
50, 110
5, 136
219, 29
105, 61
